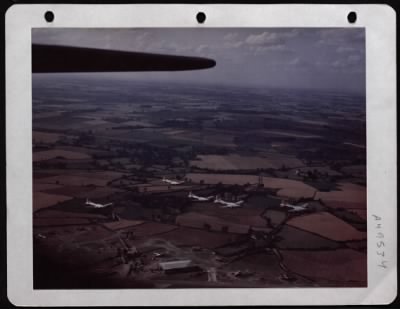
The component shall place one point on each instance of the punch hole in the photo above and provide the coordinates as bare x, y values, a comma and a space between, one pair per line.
352, 17
49, 16
201, 17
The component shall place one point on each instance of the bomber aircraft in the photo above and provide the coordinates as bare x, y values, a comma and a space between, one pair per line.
226, 204
200, 198
172, 182
294, 208
96, 205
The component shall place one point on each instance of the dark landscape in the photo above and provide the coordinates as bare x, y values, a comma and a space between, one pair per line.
211, 186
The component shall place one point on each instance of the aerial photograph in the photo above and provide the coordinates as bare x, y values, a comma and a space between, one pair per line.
198, 158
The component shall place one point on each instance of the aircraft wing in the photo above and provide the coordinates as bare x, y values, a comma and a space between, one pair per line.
68, 59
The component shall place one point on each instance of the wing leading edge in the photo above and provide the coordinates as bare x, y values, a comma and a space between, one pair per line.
66, 59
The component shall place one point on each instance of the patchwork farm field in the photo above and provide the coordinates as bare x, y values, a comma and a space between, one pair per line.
57, 221
44, 200
50, 154
342, 265
45, 186
189, 237
50, 213
198, 220
151, 228
157, 185
291, 238
45, 137
236, 213
351, 193
328, 226
81, 179
237, 162
264, 267
73, 191
121, 224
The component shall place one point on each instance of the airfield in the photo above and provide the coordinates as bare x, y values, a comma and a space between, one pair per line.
119, 141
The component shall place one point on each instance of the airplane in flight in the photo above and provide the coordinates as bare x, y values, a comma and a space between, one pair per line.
226, 204
200, 198
96, 205
294, 208
41, 236
172, 182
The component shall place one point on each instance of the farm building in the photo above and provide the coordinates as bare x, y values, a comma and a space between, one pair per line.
179, 266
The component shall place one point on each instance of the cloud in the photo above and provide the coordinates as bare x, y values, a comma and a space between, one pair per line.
345, 49
265, 38
270, 41
230, 36
341, 37
294, 61
349, 64
231, 40
203, 48
271, 37
300, 64
353, 58
276, 56
338, 64
93, 38
258, 50
233, 44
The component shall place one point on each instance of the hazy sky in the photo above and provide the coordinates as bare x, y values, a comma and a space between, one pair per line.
323, 58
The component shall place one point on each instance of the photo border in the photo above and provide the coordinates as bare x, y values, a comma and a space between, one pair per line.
381, 145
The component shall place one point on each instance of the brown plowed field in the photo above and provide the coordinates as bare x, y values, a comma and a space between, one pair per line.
328, 226
197, 220
38, 222
50, 154
50, 213
121, 224
43, 200
349, 196
151, 228
343, 265
195, 237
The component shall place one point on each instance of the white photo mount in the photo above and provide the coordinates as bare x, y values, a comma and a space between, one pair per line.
379, 22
